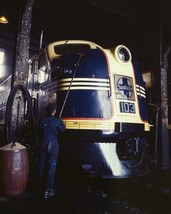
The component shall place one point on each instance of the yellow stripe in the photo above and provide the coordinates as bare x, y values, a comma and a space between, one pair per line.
142, 88
139, 86
83, 88
140, 94
96, 125
89, 125
84, 79
141, 91
83, 83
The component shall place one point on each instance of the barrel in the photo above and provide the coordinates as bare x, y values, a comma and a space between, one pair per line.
14, 169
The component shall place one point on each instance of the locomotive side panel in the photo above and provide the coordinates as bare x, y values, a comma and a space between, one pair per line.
40, 86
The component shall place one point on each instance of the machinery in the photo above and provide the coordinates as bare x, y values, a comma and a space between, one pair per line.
100, 96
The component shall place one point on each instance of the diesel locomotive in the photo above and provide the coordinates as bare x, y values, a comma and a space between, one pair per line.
101, 98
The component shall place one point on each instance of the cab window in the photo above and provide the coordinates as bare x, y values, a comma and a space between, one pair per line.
42, 69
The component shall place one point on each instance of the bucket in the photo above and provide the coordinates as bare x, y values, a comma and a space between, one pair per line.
14, 169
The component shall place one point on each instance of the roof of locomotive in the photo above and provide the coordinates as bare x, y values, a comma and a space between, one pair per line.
51, 48
58, 48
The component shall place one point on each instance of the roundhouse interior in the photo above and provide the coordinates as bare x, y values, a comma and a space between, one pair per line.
143, 27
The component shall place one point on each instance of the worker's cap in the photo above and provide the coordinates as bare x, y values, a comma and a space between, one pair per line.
50, 108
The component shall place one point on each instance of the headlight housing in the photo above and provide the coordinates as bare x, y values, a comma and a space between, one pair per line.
122, 54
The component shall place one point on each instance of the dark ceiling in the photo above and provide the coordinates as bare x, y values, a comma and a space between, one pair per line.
137, 24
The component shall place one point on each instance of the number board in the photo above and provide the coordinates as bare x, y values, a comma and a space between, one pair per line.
127, 107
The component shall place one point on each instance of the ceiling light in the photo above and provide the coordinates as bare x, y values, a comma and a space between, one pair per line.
3, 20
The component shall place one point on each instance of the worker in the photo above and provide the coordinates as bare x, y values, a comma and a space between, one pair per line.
48, 129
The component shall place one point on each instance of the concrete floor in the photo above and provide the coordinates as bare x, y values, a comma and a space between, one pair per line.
73, 196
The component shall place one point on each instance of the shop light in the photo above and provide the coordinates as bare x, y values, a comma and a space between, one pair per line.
3, 20
1, 57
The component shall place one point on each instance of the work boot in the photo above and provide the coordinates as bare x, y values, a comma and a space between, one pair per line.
49, 194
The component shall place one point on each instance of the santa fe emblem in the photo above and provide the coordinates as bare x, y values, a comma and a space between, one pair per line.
124, 87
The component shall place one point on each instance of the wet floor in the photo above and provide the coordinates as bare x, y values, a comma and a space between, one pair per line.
74, 196
30, 203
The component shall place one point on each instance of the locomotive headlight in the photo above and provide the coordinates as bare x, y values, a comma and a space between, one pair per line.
122, 54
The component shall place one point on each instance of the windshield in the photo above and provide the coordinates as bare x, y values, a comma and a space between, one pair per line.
64, 48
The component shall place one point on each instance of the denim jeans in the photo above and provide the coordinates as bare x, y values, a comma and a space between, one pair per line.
47, 165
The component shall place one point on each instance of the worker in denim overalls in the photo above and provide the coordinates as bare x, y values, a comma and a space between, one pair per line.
48, 128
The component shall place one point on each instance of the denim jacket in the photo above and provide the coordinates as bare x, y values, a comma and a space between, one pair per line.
48, 129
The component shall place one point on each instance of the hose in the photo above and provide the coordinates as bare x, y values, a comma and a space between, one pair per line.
8, 114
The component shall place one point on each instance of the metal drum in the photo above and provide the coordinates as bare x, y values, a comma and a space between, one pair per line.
14, 169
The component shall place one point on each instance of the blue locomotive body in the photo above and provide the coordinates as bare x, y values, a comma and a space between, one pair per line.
101, 99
